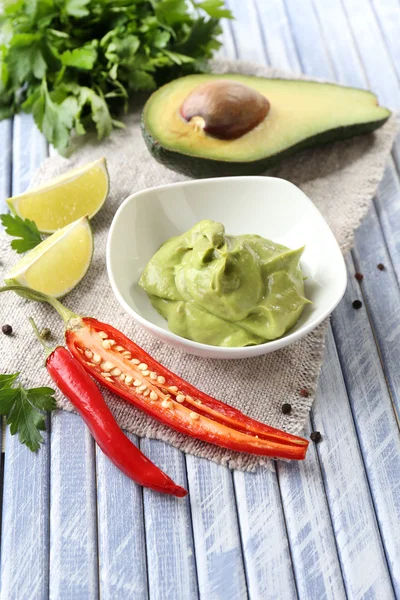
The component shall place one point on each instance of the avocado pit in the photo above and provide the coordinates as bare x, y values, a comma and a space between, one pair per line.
225, 109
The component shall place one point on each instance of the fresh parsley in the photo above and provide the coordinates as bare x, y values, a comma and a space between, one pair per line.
25, 230
74, 64
24, 410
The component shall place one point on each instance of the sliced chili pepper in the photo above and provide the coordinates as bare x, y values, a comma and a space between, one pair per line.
126, 369
74, 382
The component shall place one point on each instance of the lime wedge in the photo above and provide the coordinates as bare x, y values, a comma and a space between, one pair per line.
65, 199
59, 263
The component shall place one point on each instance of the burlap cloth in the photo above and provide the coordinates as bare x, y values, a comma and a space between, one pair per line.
340, 179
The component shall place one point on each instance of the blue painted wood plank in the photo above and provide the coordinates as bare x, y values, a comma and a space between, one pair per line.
278, 40
25, 517
169, 537
121, 537
266, 552
371, 405
29, 150
312, 542
247, 40
382, 296
335, 30
375, 57
313, 58
356, 529
388, 17
387, 204
215, 528
73, 510
5, 163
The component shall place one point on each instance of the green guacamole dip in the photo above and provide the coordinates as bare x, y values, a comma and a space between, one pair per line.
225, 290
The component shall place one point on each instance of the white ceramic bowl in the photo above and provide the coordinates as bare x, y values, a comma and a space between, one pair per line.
271, 207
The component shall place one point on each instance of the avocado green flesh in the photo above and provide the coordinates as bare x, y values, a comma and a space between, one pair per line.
225, 290
302, 114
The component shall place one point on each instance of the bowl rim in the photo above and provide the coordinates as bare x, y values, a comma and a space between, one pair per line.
199, 348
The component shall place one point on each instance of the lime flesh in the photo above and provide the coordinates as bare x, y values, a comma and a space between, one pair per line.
65, 199
59, 263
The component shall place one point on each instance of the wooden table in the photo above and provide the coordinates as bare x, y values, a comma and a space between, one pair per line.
74, 527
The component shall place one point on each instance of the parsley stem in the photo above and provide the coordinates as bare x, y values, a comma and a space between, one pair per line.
65, 313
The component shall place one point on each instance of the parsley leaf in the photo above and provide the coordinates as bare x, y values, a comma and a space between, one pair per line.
24, 229
23, 408
74, 64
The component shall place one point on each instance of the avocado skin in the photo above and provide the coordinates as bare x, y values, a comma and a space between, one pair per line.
200, 168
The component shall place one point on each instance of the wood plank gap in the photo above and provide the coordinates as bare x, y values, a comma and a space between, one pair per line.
187, 485
246, 576
96, 523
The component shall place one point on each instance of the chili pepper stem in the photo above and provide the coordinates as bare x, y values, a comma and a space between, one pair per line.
65, 313
47, 349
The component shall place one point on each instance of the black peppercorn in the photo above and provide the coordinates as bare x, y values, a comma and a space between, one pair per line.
316, 436
286, 408
357, 304
7, 329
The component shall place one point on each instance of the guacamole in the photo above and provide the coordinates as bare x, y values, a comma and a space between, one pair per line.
225, 290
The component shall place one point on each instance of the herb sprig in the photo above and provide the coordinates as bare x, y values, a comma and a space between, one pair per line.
24, 409
75, 63
24, 230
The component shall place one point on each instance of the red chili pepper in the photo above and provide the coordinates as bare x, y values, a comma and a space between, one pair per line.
126, 369
80, 389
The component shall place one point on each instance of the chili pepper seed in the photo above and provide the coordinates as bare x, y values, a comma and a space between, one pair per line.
137, 382
173, 388
96, 359
7, 329
116, 372
153, 375
103, 335
194, 416
153, 396
286, 408
128, 379
166, 404
88, 354
316, 436
106, 366
180, 398
135, 361
161, 379
142, 366
357, 304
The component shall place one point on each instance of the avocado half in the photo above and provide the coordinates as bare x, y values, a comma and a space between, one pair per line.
300, 114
